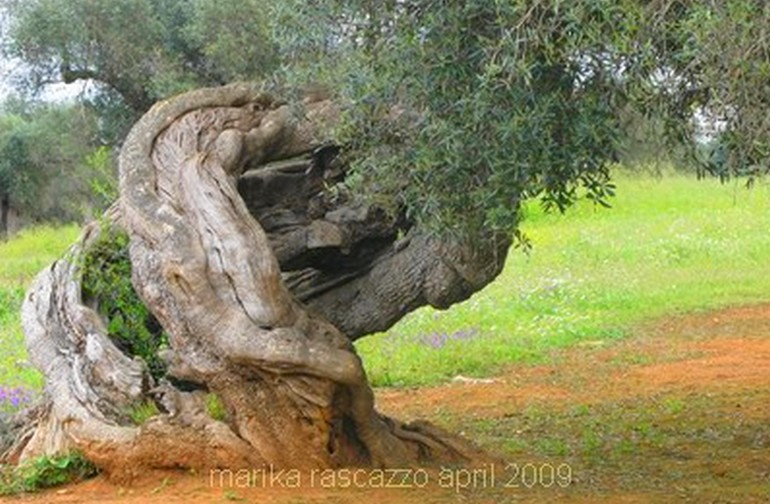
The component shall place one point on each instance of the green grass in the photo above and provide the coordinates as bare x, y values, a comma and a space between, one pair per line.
669, 245
20, 260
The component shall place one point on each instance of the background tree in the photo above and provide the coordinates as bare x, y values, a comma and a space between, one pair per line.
134, 52
17, 179
251, 248
44, 170
139, 50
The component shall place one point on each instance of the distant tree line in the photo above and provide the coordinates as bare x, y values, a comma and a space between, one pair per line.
53, 166
56, 159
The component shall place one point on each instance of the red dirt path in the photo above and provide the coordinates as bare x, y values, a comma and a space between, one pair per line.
723, 354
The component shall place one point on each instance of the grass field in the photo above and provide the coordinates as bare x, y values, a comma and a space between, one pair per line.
20, 260
668, 245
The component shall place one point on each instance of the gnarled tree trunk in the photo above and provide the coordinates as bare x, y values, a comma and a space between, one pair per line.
262, 278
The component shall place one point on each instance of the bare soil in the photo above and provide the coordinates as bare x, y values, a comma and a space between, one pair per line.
679, 412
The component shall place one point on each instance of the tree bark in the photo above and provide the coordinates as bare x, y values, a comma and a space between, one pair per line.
262, 278
5, 209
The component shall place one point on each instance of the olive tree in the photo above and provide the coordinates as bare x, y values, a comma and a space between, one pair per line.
267, 229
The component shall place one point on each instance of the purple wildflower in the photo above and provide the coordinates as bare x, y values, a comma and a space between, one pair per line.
438, 340
435, 340
12, 400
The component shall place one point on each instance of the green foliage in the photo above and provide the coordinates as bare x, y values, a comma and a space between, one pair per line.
44, 472
726, 53
43, 160
106, 279
668, 246
461, 111
18, 176
233, 37
59, 40
103, 180
139, 50
456, 112
215, 407
143, 411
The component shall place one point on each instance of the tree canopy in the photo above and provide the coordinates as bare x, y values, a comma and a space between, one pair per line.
456, 110
139, 51
501, 101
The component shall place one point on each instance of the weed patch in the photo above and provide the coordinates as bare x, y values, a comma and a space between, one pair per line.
143, 411
44, 472
215, 407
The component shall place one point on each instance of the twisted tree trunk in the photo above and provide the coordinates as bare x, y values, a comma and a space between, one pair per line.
262, 278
